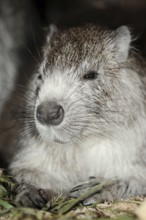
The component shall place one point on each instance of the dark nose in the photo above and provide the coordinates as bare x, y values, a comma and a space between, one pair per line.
50, 113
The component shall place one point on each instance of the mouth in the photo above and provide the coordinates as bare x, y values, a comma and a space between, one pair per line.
48, 134
54, 139
59, 141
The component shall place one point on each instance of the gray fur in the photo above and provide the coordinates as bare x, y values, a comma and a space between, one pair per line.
104, 128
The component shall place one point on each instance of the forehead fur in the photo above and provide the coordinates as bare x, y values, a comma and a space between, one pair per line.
70, 47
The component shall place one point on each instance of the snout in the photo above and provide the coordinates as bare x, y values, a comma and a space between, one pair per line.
50, 113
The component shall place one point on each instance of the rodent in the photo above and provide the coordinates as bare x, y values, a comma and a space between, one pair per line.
83, 114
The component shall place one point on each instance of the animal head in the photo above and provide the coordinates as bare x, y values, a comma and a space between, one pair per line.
80, 85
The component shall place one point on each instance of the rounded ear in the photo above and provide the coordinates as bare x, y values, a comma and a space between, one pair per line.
122, 43
52, 29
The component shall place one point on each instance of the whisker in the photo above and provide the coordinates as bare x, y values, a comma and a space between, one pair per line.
34, 39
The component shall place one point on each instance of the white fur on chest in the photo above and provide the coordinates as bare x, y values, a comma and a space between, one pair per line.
63, 166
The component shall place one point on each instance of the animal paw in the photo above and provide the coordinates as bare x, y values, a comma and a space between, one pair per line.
30, 196
84, 187
110, 191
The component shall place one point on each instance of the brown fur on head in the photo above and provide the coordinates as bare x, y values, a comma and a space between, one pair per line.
72, 46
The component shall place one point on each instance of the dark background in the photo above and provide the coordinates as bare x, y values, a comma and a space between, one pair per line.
111, 13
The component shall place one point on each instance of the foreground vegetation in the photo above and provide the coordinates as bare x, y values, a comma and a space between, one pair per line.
62, 208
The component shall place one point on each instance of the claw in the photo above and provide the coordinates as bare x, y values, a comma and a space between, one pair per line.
30, 196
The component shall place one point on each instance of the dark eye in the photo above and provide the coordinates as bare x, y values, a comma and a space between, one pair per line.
39, 77
91, 75
39, 82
